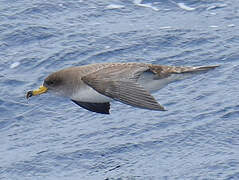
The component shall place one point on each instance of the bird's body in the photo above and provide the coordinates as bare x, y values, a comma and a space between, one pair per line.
94, 86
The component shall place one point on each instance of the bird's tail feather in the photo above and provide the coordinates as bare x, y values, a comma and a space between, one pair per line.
165, 71
194, 69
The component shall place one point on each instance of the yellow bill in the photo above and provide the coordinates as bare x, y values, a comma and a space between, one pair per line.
41, 90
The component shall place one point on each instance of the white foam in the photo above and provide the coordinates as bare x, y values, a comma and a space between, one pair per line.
148, 5
216, 6
107, 47
114, 6
212, 13
185, 7
213, 26
14, 65
231, 25
165, 27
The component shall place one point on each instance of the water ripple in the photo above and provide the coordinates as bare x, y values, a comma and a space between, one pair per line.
50, 137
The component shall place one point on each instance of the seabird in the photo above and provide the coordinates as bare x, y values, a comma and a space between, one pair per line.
94, 86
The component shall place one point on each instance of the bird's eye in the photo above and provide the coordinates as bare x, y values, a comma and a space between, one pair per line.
50, 82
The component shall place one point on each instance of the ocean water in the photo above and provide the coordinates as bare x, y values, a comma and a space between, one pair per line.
50, 138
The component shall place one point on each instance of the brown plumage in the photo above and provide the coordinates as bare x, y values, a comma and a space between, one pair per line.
94, 86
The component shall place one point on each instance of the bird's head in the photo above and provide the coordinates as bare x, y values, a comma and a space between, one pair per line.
57, 82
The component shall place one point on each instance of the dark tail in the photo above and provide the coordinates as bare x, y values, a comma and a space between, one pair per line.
164, 71
194, 69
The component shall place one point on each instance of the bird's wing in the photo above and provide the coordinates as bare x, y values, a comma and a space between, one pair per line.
102, 108
120, 83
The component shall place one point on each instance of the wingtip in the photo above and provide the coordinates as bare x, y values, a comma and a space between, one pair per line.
159, 108
199, 69
208, 67
163, 109
214, 66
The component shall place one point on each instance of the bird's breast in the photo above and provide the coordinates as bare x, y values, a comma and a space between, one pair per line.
88, 94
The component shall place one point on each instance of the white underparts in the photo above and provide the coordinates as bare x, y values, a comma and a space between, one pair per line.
88, 94
152, 83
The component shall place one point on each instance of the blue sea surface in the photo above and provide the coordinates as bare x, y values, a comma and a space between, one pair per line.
51, 138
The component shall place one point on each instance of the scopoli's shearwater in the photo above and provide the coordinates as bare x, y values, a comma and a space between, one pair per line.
93, 86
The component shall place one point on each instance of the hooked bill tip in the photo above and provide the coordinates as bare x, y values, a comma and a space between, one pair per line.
29, 94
